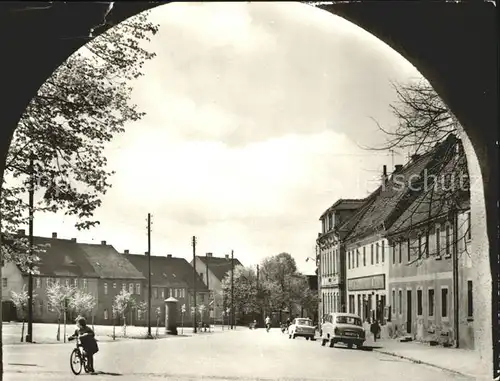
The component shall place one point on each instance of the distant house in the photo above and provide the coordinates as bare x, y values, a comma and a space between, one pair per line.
213, 270
170, 277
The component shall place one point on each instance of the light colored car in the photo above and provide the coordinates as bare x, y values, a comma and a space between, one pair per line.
302, 327
344, 328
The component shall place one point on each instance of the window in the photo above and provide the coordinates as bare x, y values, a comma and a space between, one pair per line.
349, 259
393, 301
170, 293
105, 289
376, 252
419, 243
400, 249
66, 282
155, 293
394, 253
383, 251
75, 282
4, 282
438, 241
58, 280
444, 302
430, 302
124, 287
400, 302
40, 307
349, 319
114, 285
138, 288
357, 257
448, 239
38, 282
163, 293
419, 302
371, 252
469, 233
183, 292
131, 288
426, 244
364, 256
85, 284
106, 316
470, 305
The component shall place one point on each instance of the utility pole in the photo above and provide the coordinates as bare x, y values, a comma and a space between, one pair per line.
29, 336
149, 336
232, 289
195, 275
455, 276
206, 267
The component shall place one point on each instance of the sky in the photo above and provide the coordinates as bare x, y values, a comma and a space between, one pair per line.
256, 118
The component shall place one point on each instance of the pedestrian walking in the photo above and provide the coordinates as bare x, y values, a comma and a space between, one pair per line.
375, 330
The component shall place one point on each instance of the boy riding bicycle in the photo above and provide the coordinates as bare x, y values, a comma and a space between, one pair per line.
87, 339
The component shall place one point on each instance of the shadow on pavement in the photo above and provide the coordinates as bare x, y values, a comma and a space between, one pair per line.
108, 374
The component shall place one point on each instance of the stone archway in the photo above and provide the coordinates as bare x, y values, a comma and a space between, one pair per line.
453, 45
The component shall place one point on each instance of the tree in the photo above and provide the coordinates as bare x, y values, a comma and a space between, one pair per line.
59, 299
425, 124
76, 112
122, 304
245, 290
21, 301
83, 303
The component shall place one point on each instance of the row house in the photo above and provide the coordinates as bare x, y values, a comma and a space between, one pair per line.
367, 246
331, 255
213, 270
170, 277
430, 240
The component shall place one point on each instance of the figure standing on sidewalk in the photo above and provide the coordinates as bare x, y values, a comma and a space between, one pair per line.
375, 329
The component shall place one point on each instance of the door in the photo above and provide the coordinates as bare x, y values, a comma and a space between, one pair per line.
409, 311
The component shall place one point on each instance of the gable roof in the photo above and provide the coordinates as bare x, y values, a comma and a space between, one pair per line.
390, 201
63, 257
344, 204
219, 266
108, 263
432, 203
166, 271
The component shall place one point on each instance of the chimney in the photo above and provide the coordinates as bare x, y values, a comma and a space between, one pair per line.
103, 242
209, 255
398, 167
54, 235
73, 239
126, 251
227, 256
384, 174
21, 232
169, 255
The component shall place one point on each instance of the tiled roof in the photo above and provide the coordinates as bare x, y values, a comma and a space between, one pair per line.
108, 263
434, 202
170, 272
219, 266
63, 258
389, 202
344, 204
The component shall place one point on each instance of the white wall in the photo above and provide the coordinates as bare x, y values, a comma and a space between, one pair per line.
14, 279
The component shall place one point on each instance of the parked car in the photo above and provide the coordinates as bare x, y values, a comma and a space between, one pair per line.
343, 328
302, 327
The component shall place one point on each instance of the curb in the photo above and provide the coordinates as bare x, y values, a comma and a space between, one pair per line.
473, 377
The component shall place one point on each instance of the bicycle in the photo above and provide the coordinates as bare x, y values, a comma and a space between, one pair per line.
78, 359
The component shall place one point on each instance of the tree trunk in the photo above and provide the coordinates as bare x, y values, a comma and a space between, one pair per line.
157, 325
124, 326
64, 332
114, 329
58, 337
22, 332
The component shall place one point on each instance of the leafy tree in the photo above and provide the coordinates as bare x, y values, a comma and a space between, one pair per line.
59, 299
122, 304
66, 126
245, 290
83, 303
21, 301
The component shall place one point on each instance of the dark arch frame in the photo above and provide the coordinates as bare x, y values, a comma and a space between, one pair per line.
454, 45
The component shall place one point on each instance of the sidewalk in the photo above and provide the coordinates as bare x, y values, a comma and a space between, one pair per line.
461, 361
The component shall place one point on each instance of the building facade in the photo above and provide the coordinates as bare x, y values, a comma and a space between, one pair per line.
331, 255
212, 271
